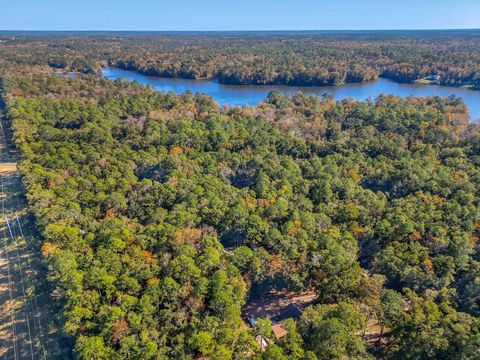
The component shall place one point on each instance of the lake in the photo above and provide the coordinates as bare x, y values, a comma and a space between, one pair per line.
254, 94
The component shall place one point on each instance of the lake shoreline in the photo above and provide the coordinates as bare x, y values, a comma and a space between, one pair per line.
218, 80
238, 95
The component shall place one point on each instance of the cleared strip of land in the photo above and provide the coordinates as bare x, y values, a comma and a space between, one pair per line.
27, 314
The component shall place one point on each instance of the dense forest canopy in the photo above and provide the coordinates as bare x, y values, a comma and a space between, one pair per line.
161, 216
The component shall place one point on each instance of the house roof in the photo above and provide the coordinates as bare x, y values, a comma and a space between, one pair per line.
262, 342
279, 331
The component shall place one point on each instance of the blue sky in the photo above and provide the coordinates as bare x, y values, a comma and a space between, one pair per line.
237, 15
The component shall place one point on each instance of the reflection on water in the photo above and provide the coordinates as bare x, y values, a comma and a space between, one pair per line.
253, 94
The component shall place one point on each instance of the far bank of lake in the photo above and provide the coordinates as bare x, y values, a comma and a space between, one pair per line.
254, 94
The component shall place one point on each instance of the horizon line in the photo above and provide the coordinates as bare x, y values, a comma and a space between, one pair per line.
248, 30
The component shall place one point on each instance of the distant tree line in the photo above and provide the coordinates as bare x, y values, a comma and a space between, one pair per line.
446, 58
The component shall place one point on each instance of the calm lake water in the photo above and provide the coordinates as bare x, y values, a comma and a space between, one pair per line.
253, 94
